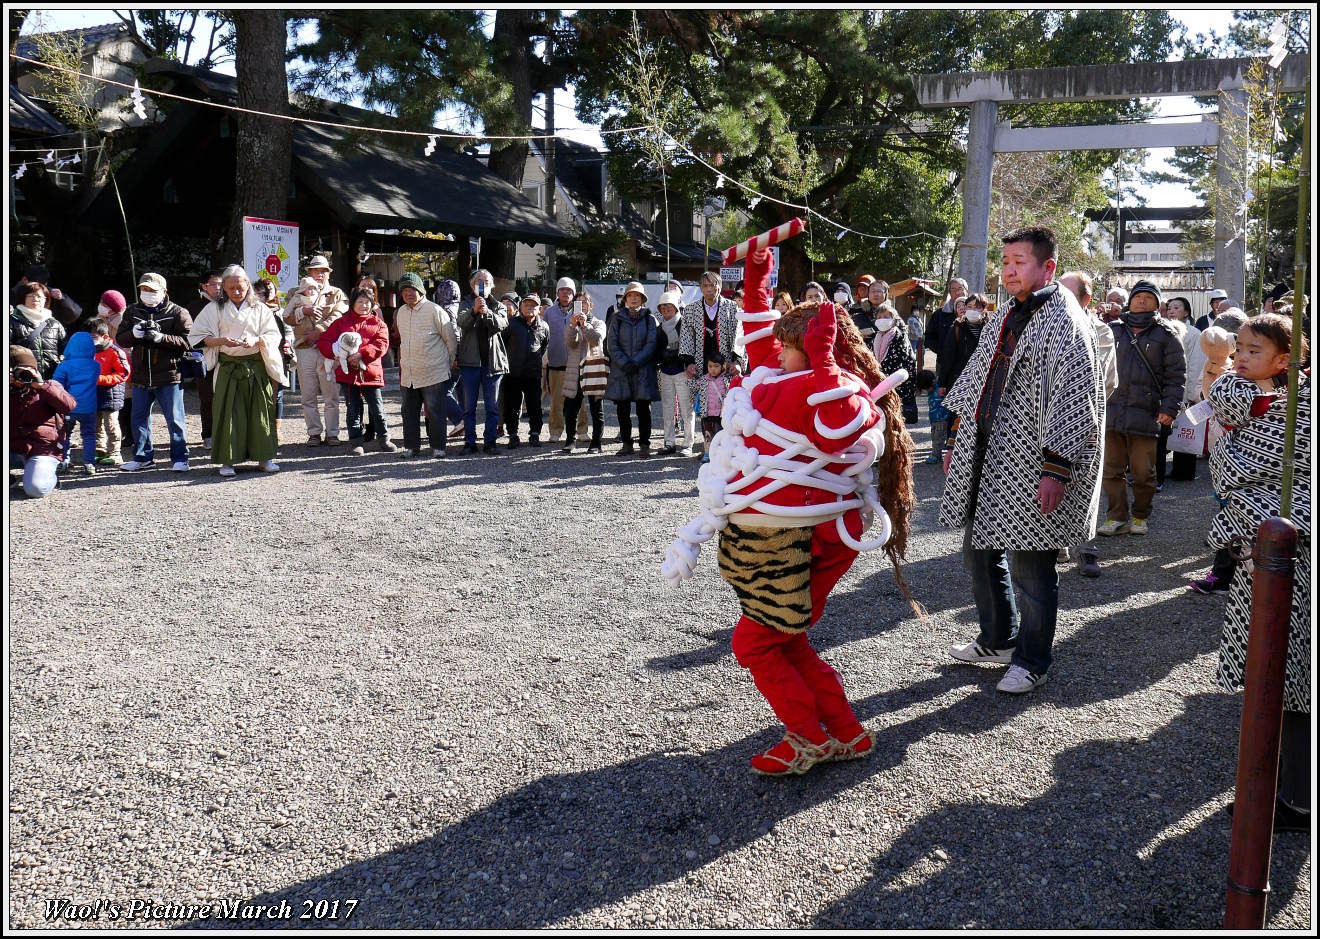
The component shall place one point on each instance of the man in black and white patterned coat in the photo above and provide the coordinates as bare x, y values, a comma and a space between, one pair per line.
1023, 464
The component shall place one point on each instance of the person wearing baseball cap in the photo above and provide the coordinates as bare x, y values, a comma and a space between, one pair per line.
557, 316
1152, 370
155, 329
1218, 304
427, 352
310, 314
525, 338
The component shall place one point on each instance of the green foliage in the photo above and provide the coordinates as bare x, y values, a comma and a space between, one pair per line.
412, 61
597, 255
817, 105
72, 97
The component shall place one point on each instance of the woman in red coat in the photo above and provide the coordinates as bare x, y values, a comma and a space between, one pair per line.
364, 377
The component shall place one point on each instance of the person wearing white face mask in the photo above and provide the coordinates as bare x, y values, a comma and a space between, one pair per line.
155, 329
959, 341
893, 351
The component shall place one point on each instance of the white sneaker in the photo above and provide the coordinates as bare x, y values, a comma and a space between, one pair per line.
1139, 526
226, 471
978, 653
133, 466
687, 452
1017, 680
269, 466
180, 467
359, 451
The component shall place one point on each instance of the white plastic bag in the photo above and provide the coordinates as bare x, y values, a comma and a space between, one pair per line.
1187, 435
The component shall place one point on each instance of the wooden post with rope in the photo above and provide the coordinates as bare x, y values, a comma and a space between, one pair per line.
1267, 640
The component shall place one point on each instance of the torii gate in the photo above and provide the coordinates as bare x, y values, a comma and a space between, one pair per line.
985, 91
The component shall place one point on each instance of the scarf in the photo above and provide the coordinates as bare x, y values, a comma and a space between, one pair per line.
882, 340
1138, 320
671, 332
35, 317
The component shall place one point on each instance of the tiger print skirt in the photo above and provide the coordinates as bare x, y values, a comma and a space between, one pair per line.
770, 570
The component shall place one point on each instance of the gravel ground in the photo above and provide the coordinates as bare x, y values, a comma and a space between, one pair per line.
459, 694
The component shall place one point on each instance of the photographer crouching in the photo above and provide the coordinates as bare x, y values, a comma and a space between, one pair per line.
37, 409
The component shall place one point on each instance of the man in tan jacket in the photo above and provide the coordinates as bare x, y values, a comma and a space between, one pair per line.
428, 348
309, 312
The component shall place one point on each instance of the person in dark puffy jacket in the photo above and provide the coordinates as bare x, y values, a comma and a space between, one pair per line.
65, 309
525, 340
634, 336
36, 411
1151, 372
32, 326
155, 330
79, 374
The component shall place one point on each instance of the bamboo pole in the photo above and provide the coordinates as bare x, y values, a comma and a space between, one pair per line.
1299, 300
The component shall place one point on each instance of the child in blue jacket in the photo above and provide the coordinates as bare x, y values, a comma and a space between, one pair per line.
79, 373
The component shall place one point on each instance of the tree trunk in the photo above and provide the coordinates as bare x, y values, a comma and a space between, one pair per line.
794, 265
264, 145
16, 18
512, 40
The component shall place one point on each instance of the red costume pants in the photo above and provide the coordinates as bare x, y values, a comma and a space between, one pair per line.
802, 689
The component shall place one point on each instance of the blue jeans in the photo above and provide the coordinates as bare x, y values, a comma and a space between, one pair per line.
1029, 627
88, 424
170, 399
478, 377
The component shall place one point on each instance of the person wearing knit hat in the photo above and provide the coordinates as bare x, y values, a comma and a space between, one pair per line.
111, 308
427, 354
675, 392
1152, 372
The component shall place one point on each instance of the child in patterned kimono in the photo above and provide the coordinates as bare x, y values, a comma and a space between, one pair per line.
1246, 466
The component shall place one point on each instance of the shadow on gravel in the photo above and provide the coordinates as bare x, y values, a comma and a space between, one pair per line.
1108, 846
566, 844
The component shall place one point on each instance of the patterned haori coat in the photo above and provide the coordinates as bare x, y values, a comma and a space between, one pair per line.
1247, 468
1053, 398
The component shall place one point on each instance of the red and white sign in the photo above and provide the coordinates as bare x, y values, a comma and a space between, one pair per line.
270, 252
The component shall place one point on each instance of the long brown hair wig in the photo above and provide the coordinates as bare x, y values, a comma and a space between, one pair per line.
894, 468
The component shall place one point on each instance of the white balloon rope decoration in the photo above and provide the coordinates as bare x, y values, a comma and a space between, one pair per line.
846, 475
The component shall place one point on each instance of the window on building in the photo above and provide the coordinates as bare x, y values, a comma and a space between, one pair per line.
536, 195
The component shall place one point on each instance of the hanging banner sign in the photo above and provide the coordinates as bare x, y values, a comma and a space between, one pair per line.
733, 275
270, 252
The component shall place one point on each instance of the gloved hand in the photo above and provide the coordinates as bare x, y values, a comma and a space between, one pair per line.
818, 343
153, 335
139, 330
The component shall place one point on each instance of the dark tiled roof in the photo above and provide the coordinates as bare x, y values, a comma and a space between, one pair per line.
373, 186
26, 115
90, 36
